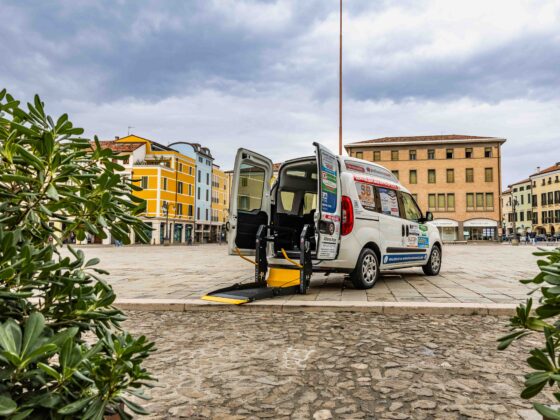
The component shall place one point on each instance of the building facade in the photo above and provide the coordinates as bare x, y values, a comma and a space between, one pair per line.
167, 179
456, 177
518, 213
203, 187
546, 200
220, 203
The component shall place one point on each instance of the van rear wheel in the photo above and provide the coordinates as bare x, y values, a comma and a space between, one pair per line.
367, 271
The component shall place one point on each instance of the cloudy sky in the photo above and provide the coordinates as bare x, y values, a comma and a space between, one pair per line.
263, 74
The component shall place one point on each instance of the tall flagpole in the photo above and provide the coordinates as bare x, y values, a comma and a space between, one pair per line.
340, 87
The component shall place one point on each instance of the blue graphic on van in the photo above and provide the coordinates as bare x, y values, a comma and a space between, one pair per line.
423, 242
401, 258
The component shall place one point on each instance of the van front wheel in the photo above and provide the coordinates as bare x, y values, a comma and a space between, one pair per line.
366, 272
432, 267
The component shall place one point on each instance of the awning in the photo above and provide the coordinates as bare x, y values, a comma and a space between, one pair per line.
480, 223
445, 223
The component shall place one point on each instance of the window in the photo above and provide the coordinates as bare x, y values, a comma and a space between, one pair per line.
468, 152
521, 217
249, 195
488, 174
557, 197
489, 201
394, 155
479, 200
431, 201
412, 176
200, 159
190, 189
180, 187
487, 152
441, 202
360, 155
190, 210
470, 201
412, 154
449, 153
450, 176
469, 175
366, 194
376, 156
179, 209
190, 170
199, 175
207, 179
207, 195
165, 184
396, 174
535, 200
198, 194
431, 154
411, 210
450, 202
543, 199
431, 176
551, 198
144, 182
529, 215
180, 167
389, 202
207, 215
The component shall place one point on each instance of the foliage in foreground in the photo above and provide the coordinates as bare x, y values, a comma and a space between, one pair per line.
544, 361
62, 352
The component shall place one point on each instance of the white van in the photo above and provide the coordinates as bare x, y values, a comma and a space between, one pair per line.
363, 221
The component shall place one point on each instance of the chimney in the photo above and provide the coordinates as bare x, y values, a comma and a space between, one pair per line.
117, 137
538, 169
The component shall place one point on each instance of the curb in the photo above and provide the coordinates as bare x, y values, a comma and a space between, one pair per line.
280, 305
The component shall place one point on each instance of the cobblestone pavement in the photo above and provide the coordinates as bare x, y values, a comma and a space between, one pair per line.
226, 365
470, 273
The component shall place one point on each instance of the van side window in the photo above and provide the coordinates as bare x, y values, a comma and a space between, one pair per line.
366, 194
411, 210
389, 202
251, 186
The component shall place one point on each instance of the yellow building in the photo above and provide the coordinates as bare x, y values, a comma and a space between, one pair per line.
220, 203
456, 177
546, 200
167, 178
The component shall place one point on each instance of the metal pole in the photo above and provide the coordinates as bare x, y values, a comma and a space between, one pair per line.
340, 87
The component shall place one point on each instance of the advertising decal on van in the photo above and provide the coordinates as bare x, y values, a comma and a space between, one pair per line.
368, 180
396, 259
328, 183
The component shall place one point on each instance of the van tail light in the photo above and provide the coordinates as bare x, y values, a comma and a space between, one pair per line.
347, 215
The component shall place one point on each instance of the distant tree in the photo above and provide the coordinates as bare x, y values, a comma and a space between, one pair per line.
62, 352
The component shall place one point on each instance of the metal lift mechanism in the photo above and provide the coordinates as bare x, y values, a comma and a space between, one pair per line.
281, 281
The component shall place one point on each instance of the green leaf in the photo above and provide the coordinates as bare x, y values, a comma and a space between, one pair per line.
533, 390
49, 371
10, 337
52, 193
7, 406
33, 328
75, 406
138, 409
547, 412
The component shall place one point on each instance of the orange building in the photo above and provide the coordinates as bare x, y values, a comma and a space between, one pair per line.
456, 177
167, 178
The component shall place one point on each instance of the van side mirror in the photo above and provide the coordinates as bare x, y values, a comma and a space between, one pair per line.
429, 216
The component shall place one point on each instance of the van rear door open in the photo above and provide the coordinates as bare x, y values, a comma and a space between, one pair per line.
328, 216
249, 206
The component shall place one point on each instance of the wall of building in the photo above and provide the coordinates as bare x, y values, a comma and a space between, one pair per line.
447, 199
549, 184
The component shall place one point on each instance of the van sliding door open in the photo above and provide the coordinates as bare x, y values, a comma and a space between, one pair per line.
329, 197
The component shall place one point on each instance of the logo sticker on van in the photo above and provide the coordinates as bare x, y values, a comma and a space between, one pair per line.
395, 259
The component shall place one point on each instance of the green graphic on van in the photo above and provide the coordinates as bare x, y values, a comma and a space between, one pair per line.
423, 228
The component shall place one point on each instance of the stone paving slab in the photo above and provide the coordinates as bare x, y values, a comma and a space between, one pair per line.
339, 365
470, 274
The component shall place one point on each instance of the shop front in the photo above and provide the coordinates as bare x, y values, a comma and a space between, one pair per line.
480, 230
448, 229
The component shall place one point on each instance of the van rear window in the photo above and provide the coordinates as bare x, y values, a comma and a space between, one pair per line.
366, 194
389, 202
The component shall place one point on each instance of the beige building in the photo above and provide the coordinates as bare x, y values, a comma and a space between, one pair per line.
546, 200
456, 177
518, 208
220, 202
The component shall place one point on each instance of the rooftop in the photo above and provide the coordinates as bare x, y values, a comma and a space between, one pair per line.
443, 138
118, 147
555, 167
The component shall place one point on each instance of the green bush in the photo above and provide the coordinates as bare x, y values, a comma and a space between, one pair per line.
545, 361
62, 351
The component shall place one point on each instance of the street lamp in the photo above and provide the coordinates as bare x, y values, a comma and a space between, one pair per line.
514, 240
